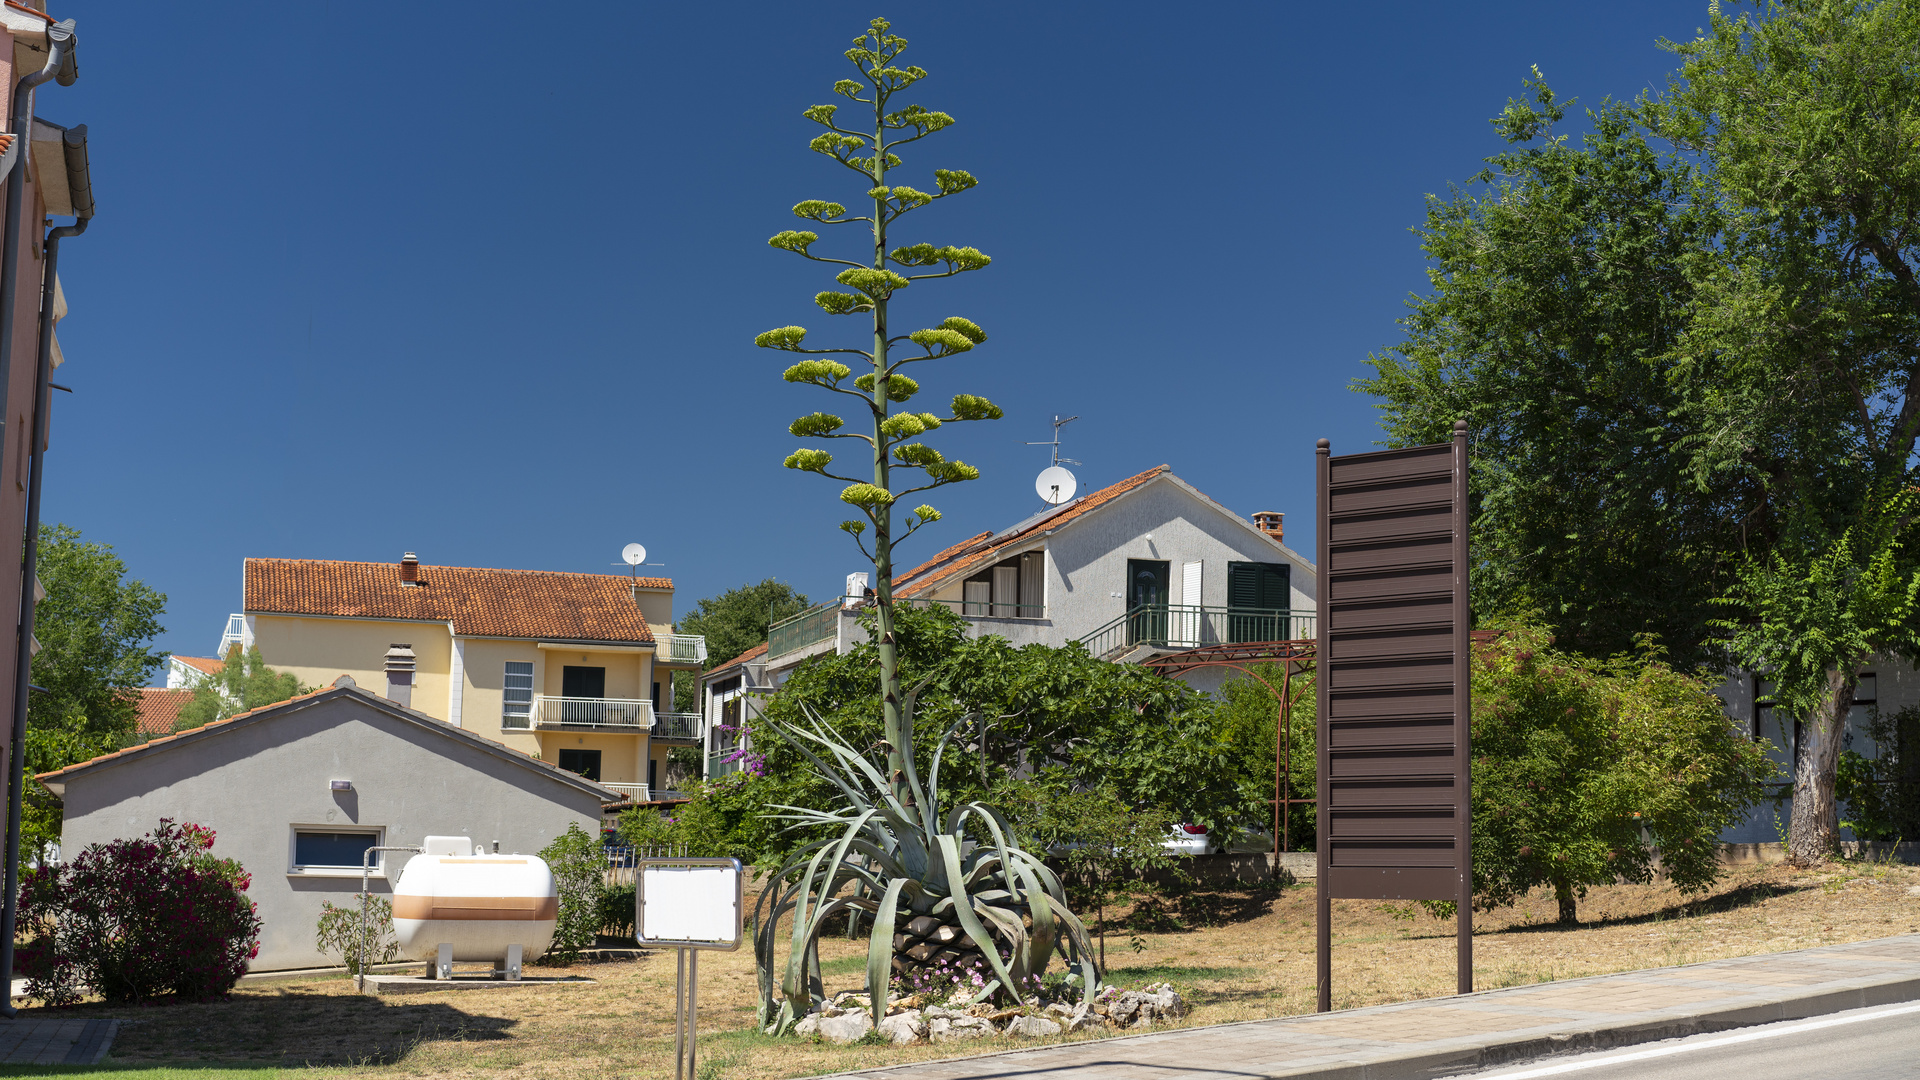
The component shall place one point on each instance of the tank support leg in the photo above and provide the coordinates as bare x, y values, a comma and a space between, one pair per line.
444, 969
513, 963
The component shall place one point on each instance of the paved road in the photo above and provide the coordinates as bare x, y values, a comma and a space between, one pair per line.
1864, 1044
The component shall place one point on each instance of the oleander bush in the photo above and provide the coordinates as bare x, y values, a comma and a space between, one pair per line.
340, 931
138, 920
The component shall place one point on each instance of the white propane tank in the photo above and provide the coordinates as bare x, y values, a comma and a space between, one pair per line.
479, 903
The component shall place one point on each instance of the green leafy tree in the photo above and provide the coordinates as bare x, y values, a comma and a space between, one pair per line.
1247, 721
1882, 793
1578, 764
579, 876
891, 438
1558, 290
732, 623
95, 628
1801, 365
242, 683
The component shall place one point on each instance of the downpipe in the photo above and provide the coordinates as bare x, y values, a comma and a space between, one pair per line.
75, 149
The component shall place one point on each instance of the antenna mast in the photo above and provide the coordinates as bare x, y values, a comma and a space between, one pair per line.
1057, 425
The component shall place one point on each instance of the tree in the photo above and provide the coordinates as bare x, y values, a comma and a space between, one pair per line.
890, 437
732, 623
1578, 764
579, 876
1559, 290
241, 684
737, 619
94, 627
1801, 365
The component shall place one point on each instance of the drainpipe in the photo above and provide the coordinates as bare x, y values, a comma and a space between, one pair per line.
60, 64
80, 185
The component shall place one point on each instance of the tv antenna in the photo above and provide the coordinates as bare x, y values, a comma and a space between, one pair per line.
1057, 459
635, 555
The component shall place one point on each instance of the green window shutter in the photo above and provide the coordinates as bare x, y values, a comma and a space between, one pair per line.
1257, 587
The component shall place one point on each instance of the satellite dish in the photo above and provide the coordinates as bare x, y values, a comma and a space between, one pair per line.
1055, 485
634, 554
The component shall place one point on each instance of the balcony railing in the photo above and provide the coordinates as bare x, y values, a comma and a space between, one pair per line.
1184, 626
682, 649
622, 714
818, 623
636, 792
676, 725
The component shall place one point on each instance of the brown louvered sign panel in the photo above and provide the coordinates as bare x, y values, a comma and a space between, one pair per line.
1393, 694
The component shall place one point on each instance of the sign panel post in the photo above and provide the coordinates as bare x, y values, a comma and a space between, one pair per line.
688, 905
1394, 698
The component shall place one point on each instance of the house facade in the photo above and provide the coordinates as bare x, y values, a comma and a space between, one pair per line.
297, 792
567, 668
1146, 566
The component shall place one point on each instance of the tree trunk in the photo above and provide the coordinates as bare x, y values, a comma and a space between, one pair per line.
1563, 892
1814, 833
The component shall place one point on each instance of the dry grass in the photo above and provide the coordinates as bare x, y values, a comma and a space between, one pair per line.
1257, 963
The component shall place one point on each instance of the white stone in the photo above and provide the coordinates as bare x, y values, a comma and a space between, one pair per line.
957, 1029
846, 1028
1032, 1027
904, 1029
808, 1026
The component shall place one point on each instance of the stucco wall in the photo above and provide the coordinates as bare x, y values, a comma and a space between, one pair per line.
318, 651
483, 683
251, 783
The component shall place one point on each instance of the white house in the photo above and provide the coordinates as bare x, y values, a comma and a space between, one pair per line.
1146, 566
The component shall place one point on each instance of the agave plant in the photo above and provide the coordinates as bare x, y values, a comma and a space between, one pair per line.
937, 884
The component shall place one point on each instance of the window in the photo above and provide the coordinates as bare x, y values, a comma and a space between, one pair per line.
584, 762
329, 851
1014, 589
516, 695
1258, 598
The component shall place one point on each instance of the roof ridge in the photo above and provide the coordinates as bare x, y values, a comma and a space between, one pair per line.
166, 738
449, 566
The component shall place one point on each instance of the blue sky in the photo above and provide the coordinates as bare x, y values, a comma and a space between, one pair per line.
480, 280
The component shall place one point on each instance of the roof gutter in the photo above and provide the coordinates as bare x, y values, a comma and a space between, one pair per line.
60, 65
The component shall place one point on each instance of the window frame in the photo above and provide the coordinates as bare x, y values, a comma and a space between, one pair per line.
507, 689
295, 868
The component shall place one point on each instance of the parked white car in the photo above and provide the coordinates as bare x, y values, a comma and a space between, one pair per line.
1189, 840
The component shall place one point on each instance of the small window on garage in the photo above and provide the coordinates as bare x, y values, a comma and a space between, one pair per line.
319, 849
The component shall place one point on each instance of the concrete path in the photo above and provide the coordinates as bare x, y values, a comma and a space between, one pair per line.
1461, 1034
35, 1041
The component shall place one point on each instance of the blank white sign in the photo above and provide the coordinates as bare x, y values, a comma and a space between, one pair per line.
689, 903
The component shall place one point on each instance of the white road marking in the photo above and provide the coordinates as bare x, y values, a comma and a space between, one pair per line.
1768, 1032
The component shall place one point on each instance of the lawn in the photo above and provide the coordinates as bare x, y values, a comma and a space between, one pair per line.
1255, 960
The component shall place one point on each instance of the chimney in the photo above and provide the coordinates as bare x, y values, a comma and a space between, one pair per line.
409, 569
400, 665
856, 590
1268, 521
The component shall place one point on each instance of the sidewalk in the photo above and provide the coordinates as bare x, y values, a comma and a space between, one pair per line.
1440, 1036
55, 1042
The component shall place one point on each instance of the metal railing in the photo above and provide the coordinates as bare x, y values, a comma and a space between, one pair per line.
635, 792
681, 649
623, 861
623, 713
981, 609
676, 725
818, 623
1190, 626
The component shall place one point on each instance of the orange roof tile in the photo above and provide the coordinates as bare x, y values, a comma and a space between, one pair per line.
160, 709
907, 586
209, 664
483, 603
943, 555
754, 653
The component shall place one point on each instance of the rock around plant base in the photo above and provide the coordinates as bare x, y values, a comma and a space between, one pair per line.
909, 1021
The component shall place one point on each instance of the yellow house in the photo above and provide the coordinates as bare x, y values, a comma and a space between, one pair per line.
572, 668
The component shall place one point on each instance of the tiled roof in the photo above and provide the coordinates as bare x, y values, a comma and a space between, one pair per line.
209, 664
944, 555
166, 742
160, 709
924, 577
752, 654
483, 603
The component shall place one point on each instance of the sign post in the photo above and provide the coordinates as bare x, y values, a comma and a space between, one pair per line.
1394, 697
688, 905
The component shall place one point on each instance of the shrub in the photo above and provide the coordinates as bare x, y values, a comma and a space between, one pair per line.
339, 932
617, 904
579, 874
139, 919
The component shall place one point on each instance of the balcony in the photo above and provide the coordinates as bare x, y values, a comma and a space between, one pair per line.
615, 714
818, 623
676, 725
1187, 626
635, 792
680, 649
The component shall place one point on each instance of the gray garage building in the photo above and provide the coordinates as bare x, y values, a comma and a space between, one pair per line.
297, 792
